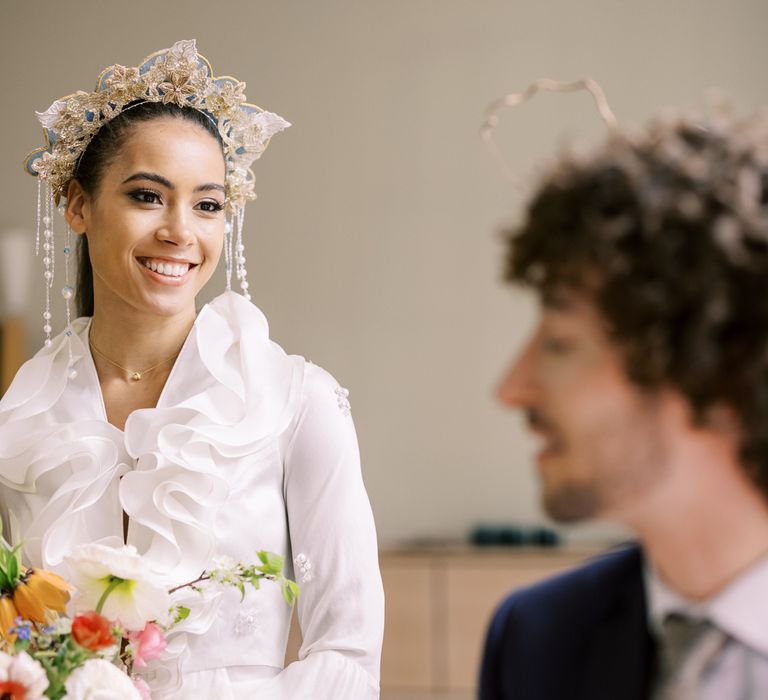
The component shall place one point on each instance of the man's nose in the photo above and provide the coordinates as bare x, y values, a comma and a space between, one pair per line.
517, 388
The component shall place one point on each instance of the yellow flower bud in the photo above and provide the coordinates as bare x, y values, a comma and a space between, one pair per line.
29, 607
50, 589
8, 615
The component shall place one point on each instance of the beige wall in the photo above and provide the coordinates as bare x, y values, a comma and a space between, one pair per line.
372, 246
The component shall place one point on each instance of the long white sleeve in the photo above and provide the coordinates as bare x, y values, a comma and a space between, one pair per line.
333, 538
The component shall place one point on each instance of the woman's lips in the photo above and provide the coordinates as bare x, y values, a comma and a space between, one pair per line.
165, 270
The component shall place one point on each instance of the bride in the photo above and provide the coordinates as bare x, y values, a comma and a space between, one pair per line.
188, 434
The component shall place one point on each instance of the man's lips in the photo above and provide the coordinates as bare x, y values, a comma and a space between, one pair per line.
548, 439
547, 445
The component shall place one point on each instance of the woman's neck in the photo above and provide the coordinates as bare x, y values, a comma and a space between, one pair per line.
136, 340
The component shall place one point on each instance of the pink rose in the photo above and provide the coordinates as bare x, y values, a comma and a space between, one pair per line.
141, 685
147, 645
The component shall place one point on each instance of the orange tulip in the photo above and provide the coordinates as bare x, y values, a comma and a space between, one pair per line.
8, 615
28, 605
50, 589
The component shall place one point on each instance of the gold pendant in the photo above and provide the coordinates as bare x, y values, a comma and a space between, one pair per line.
136, 376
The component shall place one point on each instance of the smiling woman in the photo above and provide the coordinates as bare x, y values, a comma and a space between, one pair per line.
181, 140
160, 204
188, 435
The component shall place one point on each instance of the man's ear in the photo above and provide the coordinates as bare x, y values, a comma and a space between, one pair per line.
78, 207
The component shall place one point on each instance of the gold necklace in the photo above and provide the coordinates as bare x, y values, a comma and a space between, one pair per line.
135, 375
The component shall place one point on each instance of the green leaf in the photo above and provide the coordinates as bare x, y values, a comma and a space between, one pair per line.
272, 563
182, 613
241, 588
290, 591
12, 572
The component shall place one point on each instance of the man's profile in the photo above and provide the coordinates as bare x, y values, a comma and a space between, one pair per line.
646, 382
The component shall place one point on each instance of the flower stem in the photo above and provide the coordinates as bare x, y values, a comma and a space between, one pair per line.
203, 577
114, 583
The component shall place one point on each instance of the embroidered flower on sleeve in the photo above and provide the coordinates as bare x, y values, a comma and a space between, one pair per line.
303, 568
342, 399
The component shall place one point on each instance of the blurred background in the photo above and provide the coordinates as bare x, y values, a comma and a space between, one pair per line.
373, 247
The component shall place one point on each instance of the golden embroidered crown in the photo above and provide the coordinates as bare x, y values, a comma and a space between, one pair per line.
177, 75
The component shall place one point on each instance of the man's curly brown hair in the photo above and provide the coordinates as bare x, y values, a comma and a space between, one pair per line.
668, 233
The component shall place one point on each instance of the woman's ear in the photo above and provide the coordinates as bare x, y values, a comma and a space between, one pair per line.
77, 209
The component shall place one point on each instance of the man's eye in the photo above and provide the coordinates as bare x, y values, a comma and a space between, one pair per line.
555, 346
145, 196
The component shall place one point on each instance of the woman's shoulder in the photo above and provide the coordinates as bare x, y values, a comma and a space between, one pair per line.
324, 407
320, 384
230, 318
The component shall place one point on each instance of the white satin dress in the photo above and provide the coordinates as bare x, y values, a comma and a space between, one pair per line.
248, 448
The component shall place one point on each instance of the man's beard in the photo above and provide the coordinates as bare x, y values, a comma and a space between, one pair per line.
629, 458
574, 502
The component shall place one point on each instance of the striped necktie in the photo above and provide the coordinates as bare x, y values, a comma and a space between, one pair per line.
687, 647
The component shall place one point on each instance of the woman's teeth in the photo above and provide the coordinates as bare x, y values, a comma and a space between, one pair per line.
166, 268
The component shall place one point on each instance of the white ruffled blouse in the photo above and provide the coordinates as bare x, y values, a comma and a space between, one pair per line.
248, 448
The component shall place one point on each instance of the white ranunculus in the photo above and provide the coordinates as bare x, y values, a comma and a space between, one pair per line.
98, 679
23, 670
136, 597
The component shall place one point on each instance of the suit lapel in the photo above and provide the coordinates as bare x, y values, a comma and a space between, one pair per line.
621, 655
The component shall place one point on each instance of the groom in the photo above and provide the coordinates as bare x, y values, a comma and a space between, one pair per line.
646, 383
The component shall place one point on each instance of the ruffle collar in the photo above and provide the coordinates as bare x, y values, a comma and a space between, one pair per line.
231, 393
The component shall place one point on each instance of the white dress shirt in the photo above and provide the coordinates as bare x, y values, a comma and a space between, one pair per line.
740, 671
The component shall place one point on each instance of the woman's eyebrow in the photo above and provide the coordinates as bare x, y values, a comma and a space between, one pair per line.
154, 177
209, 186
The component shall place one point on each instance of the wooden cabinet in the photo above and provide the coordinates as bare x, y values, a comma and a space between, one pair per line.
438, 605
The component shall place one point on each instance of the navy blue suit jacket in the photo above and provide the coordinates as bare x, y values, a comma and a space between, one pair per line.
582, 635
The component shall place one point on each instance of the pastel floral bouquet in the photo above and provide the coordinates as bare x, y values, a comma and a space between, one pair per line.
120, 616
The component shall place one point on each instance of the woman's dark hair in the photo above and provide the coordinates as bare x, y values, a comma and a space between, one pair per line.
100, 153
668, 235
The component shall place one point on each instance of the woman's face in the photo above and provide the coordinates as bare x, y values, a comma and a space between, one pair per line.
155, 226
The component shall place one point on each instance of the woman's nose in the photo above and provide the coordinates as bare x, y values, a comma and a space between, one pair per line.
175, 229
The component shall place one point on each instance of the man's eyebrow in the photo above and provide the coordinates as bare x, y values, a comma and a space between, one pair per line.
159, 179
557, 301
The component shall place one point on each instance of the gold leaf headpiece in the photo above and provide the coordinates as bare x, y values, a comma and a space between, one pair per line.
178, 75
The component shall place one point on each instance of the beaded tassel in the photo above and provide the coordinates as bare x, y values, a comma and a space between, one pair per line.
68, 292
37, 228
49, 268
228, 253
241, 272
48, 260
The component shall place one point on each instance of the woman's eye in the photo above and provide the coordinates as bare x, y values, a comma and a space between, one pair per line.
146, 196
211, 206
